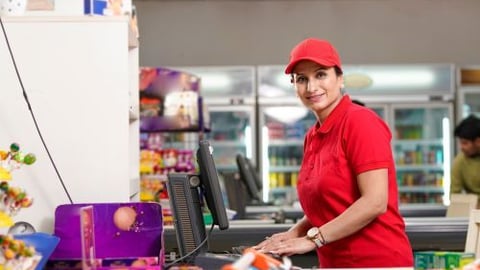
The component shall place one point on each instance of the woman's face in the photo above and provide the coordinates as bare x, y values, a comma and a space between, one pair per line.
318, 87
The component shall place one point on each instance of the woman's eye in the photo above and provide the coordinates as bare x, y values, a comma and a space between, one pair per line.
301, 80
321, 74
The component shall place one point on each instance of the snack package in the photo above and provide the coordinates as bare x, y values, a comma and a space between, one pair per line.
16, 255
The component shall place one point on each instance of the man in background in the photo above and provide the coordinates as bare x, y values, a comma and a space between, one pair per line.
466, 165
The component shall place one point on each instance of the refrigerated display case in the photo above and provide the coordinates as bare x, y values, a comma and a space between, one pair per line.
380, 109
422, 151
231, 134
416, 101
468, 94
282, 149
468, 101
419, 102
229, 94
283, 121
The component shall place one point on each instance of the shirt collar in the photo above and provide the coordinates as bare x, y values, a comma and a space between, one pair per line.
333, 117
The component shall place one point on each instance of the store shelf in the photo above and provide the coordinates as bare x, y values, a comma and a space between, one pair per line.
416, 142
285, 142
282, 189
418, 167
159, 177
223, 143
284, 168
423, 189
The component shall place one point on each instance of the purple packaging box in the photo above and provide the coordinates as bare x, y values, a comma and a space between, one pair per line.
170, 100
123, 232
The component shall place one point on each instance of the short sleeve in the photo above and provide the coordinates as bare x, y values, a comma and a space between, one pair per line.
366, 139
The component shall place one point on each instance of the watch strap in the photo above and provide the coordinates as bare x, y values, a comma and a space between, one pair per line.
317, 242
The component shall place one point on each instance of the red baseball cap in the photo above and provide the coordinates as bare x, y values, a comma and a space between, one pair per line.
316, 50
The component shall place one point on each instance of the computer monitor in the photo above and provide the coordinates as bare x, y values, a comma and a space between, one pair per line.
211, 185
236, 194
186, 195
254, 171
249, 177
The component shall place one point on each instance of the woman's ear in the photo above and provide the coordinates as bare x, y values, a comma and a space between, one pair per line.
342, 82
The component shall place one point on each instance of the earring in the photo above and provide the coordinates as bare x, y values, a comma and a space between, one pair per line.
342, 86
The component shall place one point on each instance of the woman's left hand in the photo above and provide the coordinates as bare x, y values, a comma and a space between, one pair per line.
299, 245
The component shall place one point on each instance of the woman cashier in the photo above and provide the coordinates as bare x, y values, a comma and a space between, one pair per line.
347, 183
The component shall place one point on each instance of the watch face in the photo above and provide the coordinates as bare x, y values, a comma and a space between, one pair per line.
312, 233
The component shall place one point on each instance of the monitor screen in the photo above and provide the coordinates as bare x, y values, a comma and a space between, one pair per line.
236, 193
247, 175
211, 185
187, 192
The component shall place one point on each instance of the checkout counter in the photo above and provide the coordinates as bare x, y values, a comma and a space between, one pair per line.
427, 232
294, 213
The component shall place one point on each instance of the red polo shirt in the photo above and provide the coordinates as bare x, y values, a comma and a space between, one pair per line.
352, 140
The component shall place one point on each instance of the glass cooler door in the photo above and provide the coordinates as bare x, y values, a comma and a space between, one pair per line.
469, 102
232, 132
422, 152
283, 131
229, 96
380, 109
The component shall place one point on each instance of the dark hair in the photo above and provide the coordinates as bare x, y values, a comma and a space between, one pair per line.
356, 101
468, 128
338, 72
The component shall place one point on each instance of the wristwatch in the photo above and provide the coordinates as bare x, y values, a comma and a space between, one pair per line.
312, 234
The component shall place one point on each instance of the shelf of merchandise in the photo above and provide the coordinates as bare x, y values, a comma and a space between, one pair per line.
229, 143
282, 151
169, 152
419, 167
422, 152
295, 168
426, 189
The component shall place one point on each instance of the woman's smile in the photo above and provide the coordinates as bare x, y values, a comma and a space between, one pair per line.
316, 97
